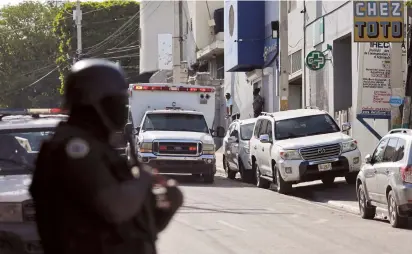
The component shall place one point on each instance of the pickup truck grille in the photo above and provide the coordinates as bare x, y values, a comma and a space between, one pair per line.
320, 152
176, 148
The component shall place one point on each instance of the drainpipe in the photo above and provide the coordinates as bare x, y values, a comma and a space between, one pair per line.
304, 104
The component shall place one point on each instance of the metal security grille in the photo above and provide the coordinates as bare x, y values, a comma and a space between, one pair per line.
320, 152
295, 62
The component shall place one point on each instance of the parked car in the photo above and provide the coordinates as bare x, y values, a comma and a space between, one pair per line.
294, 146
236, 155
385, 180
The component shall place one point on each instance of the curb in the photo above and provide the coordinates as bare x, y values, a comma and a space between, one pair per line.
340, 206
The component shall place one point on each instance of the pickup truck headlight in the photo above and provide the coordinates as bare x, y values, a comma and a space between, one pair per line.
145, 147
349, 146
208, 148
290, 155
11, 212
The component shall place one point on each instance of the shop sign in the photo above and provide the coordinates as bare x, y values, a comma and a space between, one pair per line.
270, 50
315, 60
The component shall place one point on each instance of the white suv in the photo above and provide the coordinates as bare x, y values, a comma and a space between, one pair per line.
301, 145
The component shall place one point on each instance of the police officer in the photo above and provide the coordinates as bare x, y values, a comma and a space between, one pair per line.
87, 198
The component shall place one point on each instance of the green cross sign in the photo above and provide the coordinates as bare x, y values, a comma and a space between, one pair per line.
315, 60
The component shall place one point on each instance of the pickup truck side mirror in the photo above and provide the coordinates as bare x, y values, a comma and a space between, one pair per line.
219, 132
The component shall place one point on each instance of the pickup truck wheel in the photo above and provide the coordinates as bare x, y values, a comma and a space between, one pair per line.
351, 178
395, 219
260, 182
328, 180
366, 211
209, 178
282, 187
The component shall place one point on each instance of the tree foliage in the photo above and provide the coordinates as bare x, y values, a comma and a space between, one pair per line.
110, 30
27, 53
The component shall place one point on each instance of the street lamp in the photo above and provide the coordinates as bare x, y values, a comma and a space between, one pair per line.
275, 29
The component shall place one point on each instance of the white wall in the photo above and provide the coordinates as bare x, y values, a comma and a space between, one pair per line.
242, 93
157, 17
295, 31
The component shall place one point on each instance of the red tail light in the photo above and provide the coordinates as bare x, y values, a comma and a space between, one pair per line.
173, 88
406, 174
163, 148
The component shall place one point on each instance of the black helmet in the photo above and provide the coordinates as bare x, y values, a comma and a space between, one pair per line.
91, 80
100, 84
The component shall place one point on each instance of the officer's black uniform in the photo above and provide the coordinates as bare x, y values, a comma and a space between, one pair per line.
87, 198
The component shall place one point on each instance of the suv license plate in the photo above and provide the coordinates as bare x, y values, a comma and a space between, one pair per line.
325, 167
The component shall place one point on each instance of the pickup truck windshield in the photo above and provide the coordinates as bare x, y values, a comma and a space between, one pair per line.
175, 122
305, 126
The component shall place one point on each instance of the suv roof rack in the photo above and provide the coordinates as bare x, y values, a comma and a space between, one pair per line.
401, 130
266, 114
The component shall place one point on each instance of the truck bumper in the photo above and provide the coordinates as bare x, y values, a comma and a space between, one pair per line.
204, 164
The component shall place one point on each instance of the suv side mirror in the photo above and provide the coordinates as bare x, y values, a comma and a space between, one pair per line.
136, 131
219, 132
346, 126
368, 159
264, 138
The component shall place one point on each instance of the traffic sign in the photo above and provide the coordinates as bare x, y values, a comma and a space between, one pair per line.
396, 101
315, 60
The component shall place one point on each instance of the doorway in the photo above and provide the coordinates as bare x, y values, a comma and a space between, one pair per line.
295, 93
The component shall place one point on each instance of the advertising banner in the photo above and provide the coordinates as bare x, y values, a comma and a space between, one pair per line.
374, 80
378, 21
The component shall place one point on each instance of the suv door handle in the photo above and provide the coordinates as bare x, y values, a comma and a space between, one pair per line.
387, 171
255, 147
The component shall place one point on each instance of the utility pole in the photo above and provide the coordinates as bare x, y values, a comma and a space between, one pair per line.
77, 17
283, 90
177, 5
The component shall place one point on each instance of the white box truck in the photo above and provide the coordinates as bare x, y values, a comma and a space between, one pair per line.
172, 128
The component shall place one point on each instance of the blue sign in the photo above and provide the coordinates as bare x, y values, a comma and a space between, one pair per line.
270, 51
396, 101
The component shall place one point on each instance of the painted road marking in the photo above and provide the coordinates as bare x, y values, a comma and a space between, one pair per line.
231, 226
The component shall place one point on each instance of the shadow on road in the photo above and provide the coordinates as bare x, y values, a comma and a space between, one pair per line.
220, 182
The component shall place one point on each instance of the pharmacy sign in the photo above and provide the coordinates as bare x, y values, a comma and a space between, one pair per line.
315, 60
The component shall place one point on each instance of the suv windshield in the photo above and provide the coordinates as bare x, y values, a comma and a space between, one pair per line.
246, 131
305, 126
19, 149
175, 122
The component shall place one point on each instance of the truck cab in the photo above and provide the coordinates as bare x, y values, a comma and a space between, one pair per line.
174, 134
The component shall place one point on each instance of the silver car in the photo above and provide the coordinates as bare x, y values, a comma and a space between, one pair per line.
236, 156
385, 180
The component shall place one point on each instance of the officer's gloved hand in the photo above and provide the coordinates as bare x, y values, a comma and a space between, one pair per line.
167, 194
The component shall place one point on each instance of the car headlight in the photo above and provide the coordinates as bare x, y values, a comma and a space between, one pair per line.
208, 148
11, 212
290, 155
145, 147
349, 146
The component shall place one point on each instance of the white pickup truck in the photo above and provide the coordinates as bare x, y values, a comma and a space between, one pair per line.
172, 128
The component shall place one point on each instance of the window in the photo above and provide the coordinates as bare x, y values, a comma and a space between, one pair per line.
269, 130
390, 150
175, 122
246, 131
378, 154
19, 149
263, 127
400, 149
220, 67
257, 128
305, 126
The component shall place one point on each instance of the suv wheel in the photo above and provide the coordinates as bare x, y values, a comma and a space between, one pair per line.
246, 175
351, 178
229, 173
366, 211
394, 218
260, 182
328, 180
282, 187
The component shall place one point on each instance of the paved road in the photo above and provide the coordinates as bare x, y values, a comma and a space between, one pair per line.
232, 217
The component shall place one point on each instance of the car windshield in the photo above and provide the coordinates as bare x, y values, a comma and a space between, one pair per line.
19, 149
175, 122
246, 131
305, 126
